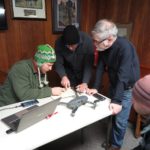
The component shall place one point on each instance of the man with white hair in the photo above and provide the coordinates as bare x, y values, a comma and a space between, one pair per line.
117, 56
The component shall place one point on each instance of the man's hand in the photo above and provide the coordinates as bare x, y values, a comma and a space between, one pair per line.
56, 91
91, 91
82, 87
65, 82
115, 108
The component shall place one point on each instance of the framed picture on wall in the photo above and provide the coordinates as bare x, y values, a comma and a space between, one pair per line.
65, 12
34, 9
124, 30
3, 19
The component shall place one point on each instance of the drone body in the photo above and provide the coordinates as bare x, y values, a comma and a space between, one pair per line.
75, 103
80, 100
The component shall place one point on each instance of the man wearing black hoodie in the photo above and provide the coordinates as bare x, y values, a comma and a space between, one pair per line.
74, 55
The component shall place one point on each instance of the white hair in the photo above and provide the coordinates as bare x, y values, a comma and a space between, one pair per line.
104, 28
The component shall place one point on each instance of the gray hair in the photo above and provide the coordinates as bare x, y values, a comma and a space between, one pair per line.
104, 28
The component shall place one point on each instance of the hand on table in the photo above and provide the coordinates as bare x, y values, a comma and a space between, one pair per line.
91, 91
65, 82
56, 91
115, 108
82, 88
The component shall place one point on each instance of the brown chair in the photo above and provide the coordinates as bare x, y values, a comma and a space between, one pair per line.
136, 119
138, 125
141, 122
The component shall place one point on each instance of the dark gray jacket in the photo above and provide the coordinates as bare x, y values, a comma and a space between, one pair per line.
76, 65
22, 84
122, 65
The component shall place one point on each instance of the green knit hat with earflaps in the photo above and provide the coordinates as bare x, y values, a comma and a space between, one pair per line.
45, 54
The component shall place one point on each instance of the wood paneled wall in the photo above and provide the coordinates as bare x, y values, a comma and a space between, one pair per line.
22, 36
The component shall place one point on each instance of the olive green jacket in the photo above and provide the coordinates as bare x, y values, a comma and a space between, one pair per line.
22, 84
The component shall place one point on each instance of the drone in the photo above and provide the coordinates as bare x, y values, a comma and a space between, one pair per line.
78, 101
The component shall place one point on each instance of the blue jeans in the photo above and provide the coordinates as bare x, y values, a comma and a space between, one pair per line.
120, 121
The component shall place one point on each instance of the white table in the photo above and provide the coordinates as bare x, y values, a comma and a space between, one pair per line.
53, 128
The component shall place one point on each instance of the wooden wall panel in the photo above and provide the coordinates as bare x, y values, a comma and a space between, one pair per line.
22, 37
3, 52
89, 14
145, 70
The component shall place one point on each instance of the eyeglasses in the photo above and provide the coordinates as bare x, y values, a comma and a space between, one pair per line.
99, 42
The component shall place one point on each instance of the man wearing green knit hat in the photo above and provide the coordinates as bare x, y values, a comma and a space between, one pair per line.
27, 78
45, 54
